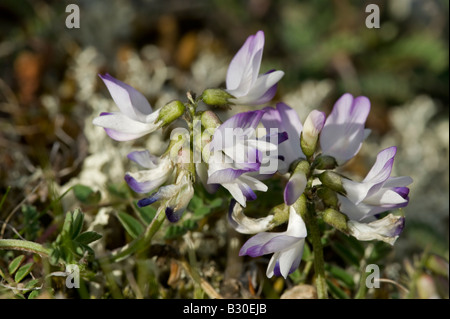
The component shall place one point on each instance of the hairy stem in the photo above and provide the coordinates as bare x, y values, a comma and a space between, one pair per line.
140, 243
25, 245
314, 236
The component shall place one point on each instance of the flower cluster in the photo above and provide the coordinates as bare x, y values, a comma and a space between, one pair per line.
250, 147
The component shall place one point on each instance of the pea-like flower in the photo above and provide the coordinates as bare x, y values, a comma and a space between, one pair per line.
136, 117
286, 247
157, 173
243, 80
247, 225
343, 132
386, 229
285, 119
237, 154
175, 197
378, 192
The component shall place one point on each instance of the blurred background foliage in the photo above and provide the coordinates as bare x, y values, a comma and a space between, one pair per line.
49, 92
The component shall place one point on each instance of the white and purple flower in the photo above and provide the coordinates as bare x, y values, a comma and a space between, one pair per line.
243, 80
343, 132
386, 229
286, 247
175, 197
247, 225
285, 119
136, 117
158, 171
378, 192
237, 154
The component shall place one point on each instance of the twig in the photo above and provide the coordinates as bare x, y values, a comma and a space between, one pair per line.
207, 288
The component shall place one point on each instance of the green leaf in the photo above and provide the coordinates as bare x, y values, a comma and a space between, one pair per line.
216, 203
32, 284
337, 292
88, 237
195, 203
380, 250
86, 195
340, 274
77, 223
15, 264
175, 231
147, 213
346, 254
190, 224
2, 274
23, 272
118, 190
202, 211
33, 294
131, 224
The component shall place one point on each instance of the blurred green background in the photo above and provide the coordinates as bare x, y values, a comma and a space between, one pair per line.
49, 89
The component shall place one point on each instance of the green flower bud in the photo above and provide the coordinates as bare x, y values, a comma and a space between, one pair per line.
328, 197
170, 112
332, 180
300, 166
216, 97
310, 133
325, 162
210, 120
336, 219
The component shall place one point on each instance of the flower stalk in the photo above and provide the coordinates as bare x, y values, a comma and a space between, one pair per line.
307, 211
140, 243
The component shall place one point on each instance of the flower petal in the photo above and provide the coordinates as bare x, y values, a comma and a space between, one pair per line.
343, 132
144, 159
130, 102
244, 67
285, 119
386, 229
245, 225
122, 128
261, 90
294, 188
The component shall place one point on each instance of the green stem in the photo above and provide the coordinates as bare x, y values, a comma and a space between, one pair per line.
362, 290
25, 245
140, 243
314, 236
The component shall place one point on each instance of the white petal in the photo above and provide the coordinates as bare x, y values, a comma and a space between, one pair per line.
385, 197
296, 225
123, 124
399, 181
263, 83
288, 256
386, 229
130, 101
247, 225
236, 192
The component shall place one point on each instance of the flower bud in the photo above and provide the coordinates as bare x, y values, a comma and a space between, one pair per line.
301, 166
333, 181
170, 112
216, 97
310, 133
328, 197
336, 219
210, 120
324, 162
